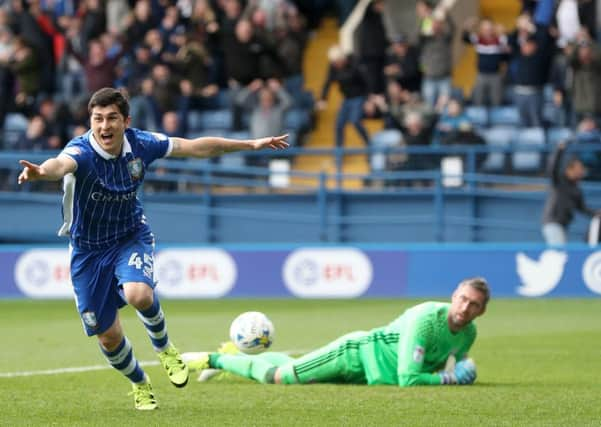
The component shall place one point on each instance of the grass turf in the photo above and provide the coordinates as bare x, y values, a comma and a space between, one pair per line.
538, 364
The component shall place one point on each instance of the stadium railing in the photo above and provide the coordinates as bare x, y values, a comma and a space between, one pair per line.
465, 178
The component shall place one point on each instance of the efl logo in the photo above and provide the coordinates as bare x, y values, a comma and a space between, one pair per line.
196, 273
44, 273
327, 273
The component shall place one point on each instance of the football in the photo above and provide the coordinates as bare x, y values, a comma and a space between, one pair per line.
252, 332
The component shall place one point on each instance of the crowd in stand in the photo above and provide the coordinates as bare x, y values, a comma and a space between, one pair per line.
234, 67
535, 85
188, 67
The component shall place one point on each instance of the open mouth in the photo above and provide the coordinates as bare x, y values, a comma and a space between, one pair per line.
106, 137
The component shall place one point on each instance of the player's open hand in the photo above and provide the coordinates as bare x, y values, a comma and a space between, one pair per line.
273, 142
30, 172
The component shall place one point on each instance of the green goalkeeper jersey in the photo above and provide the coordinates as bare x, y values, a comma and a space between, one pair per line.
410, 349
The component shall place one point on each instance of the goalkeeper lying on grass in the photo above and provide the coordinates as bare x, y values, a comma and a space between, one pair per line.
418, 348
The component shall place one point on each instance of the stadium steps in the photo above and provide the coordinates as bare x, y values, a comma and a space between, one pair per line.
315, 71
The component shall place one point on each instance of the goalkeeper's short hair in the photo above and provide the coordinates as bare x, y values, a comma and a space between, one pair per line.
480, 284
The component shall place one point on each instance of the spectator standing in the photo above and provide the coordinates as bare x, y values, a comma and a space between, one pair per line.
372, 46
351, 79
586, 90
565, 196
267, 104
490, 43
402, 64
530, 77
435, 38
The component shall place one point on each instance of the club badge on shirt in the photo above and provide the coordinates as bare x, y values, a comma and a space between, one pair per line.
135, 168
418, 354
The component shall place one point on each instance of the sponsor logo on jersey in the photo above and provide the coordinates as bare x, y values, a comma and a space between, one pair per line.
89, 318
418, 354
135, 168
99, 196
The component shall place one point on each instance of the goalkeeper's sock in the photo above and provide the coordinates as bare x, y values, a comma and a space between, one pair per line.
252, 367
154, 322
122, 359
275, 358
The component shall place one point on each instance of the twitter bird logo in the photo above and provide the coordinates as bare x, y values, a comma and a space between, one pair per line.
542, 276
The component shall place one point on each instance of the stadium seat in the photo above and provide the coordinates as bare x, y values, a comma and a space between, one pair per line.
528, 161
552, 115
498, 136
210, 119
557, 134
298, 120
504, 116
206, 132
478, 115
292, 137
15, 126
548, 93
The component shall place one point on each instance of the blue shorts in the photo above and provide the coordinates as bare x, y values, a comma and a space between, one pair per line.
98, 277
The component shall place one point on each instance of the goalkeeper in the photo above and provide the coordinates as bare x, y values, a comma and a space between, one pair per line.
418, 348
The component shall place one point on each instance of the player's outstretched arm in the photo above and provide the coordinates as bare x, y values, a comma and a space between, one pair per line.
214, 146
50, 170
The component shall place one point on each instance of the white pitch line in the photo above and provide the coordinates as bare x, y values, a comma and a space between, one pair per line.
78, 369
59, 371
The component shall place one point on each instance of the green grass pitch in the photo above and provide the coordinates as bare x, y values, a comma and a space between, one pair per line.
538, 365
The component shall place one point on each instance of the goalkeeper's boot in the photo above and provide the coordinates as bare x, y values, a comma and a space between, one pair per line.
228, 347
196, 361
143, 396
199, 362
176, 369
205, 375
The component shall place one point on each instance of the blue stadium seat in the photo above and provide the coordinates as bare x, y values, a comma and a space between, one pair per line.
15, 121
528, 161
552, 114
15, 126
241, 134
292, 137
232, 160
548, 93
298, 120
507, 115
210, 119
223, 99
478, 115
498, 136
206, 132
557, 134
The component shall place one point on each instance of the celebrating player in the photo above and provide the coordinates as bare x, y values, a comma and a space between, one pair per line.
414, 349
112, 246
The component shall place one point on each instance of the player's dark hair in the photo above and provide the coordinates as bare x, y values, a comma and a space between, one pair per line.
109, 96
480, 284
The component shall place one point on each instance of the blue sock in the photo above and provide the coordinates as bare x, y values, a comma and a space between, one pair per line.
123, 360
154, 322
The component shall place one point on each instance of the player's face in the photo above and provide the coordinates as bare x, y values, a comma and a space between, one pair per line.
467, 303
108, 126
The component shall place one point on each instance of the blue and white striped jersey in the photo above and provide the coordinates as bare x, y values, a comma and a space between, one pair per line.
100, 205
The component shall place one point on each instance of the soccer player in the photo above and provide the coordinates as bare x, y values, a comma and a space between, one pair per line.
414, 349
111, 243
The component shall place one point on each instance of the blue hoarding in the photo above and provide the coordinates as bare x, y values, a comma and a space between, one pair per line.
328, 271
